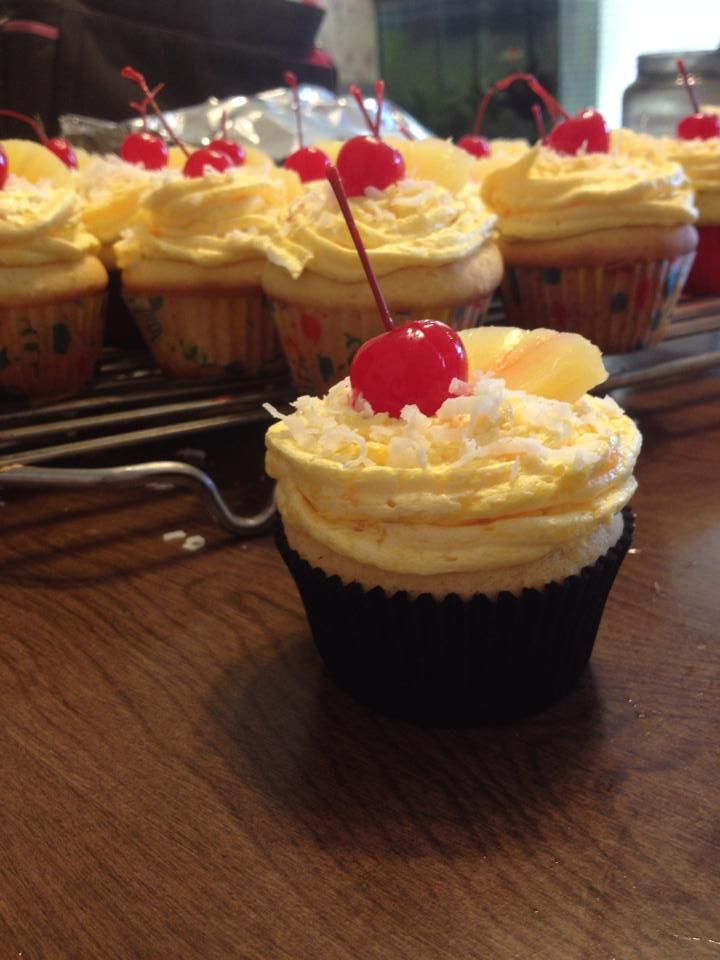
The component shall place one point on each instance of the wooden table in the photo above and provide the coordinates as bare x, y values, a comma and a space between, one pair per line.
179, 779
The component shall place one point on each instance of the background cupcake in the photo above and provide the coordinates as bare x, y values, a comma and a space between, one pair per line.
700, 159
51, 290
191, 268
456, 566
429, 238
598, 243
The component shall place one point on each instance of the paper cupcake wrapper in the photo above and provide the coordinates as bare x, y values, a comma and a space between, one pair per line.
49, 351
197, 337
451, 660
320, 343
618, 308
704, 279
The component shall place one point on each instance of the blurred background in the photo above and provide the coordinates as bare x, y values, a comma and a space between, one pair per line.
436, 56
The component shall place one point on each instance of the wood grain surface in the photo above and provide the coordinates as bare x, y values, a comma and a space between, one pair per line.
180, 780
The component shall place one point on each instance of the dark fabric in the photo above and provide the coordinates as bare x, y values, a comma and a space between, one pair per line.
214, 48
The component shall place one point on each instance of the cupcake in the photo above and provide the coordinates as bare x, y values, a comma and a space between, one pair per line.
429, 238
191, 267
52, 288
454, 567
700, 159
112, 192
596, 243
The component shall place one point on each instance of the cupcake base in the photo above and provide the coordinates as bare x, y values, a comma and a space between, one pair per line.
48, 351
211, 336
449, 661
320, 342
619, 308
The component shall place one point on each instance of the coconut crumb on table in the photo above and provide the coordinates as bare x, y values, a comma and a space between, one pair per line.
194, 543
174, 535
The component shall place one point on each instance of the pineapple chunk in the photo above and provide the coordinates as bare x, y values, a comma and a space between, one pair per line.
34, 162
437, 160
559, 366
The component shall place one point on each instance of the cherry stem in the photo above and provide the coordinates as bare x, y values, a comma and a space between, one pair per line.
39, 132
405, 132
531, 80
339, 191
539, 123
130, 74
291, 81
688, 86
357, 94
380, 100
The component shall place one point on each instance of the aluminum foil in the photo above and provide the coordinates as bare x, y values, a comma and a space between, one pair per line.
266, 120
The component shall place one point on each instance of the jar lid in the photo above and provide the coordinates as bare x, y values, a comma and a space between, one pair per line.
664, 64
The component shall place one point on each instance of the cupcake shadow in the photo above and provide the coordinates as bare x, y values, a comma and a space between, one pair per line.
353, 779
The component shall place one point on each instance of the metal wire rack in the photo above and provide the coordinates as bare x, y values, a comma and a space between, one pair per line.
131, 404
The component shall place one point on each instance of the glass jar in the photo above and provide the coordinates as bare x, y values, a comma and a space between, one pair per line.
657, 100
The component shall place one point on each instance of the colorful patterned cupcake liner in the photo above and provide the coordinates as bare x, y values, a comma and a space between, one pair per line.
704, 279
319, 343
619, 308
49, 351
453, 661
198, 337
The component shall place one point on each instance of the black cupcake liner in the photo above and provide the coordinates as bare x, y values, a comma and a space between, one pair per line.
454, 660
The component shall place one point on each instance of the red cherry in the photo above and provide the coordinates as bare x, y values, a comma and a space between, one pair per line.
4, 168
63, 151
587, 131
309, 163
144, 148
699, 126
231, 148
368, 162
411, 364
477, 146
197, 163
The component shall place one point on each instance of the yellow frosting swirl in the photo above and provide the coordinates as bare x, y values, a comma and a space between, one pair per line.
701, 161
40, 224
547, 195
495, 479
411, 223
214, 220
113, 191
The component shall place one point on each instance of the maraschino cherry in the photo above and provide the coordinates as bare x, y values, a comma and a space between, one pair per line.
411, 364
234, 151
480, 147
588, 131
699, 125
368, 161
145, 148
309, 163
197, 162
4, 168
58, 145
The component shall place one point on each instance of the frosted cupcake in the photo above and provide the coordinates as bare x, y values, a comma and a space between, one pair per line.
429, 240
191, 268
455, 567
52, 287
596, 243
700, 159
